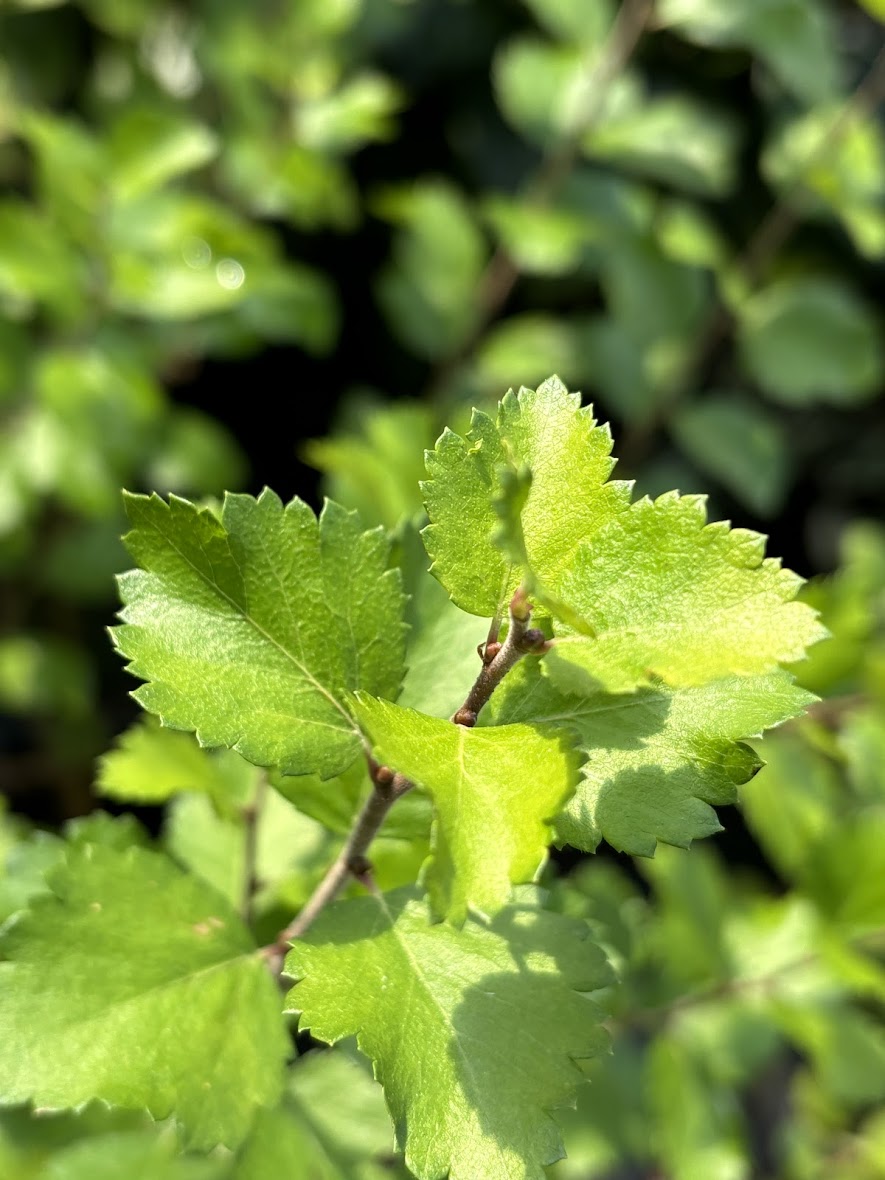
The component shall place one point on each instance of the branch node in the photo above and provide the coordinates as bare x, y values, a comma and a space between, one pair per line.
382, 776
360, 866
466, 717
534, 642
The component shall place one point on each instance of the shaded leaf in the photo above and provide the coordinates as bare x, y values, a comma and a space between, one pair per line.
492, 1033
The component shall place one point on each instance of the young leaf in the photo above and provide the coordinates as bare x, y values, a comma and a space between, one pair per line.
493, 789
656, 758
668, 595
250, 629
137, 985
474, 1033
569, 457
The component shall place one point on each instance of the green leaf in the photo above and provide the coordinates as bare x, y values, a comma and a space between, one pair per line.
360, 111
148, 147
197, 455
492, 1033
584, 22
250, 629
494, 791
812, 339
291, 850
656, 759
537, 85
695, 1126
134, 984
792, 804
339, 1097
441, 657
374, 463
428, 290
831, 163
37, 265
331, 1125
28, 1140
398, 850
539, 240
23, 871
137, 1155
794, 38
668, 595
843, 873
150, 765
674, 139
851, 602
738, 443
569, 501
526, 347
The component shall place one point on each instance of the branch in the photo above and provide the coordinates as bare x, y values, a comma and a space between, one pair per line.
351, 860
499, 658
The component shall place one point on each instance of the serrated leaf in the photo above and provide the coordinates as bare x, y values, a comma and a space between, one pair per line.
250, 629
656, 759
474, 1034
134, 984
569, 457
494, 790
150, 764
668, 595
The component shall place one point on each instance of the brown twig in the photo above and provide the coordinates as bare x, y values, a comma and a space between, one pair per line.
499, 658
351, 860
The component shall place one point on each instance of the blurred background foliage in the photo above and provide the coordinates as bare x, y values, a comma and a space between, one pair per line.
252, 243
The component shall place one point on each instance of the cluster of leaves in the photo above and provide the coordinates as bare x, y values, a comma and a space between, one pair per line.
143, 976
136, 241
653, 247
678, 206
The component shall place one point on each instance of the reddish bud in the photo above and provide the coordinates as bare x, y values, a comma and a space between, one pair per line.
465, 717
534, 641
491, 650
383, 776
